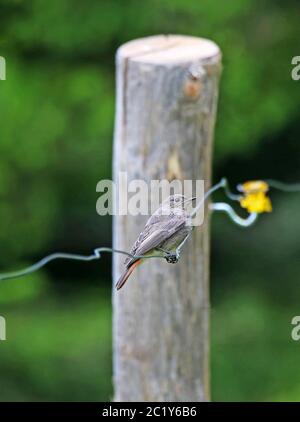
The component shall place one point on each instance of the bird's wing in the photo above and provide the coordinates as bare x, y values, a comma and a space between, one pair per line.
155, 234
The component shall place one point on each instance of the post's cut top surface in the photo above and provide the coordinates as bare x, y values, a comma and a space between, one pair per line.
164, 49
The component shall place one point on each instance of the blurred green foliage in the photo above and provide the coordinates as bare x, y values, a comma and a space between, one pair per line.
57, 110
58, 347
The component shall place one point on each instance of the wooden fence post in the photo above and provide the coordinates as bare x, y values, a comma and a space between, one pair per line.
167, 89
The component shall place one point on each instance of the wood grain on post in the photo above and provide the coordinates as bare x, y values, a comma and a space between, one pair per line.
167, 89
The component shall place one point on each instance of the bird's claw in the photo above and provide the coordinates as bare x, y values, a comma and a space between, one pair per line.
172, 258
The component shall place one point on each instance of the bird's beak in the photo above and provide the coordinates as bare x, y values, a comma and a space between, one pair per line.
190, 199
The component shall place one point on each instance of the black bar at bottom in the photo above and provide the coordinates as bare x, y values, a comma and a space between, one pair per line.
132, 411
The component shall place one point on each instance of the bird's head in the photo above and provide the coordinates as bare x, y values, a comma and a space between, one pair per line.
176, 201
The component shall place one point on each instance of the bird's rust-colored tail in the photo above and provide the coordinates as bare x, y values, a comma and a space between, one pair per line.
124, 277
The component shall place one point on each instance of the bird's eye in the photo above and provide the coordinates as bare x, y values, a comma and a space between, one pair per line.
177, 199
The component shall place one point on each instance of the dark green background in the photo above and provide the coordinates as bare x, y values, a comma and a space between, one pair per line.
57, 111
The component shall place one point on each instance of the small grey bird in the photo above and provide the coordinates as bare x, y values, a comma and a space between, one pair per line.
164, 234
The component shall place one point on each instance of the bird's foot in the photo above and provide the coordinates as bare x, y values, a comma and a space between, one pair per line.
171, 257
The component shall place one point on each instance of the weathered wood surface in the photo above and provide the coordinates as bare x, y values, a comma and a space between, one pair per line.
167, 88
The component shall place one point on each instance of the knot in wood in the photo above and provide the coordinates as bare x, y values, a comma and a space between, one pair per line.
193, 83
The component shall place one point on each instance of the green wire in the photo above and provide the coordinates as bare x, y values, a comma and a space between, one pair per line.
285, 187
75, 257
97, 252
